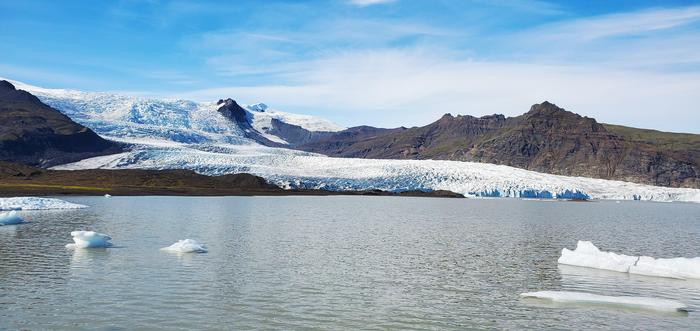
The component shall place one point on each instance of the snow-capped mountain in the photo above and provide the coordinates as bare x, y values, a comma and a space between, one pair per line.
220, 138
117, 117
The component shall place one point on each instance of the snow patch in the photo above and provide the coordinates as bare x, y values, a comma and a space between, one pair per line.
186, 246
89, 239
588, 255
32, 203
10, 218
644, 303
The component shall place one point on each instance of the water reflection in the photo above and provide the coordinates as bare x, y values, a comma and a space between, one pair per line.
335, 263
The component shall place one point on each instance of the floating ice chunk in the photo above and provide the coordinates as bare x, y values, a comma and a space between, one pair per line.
588, 255
645, 303
108, 196
10, 218
32, 203
186, 246
89, 239
679, 267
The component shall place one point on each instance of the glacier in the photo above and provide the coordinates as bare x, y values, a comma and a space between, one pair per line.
588, 255
181, 134
642, 303
89, 239
33, 203
186, 246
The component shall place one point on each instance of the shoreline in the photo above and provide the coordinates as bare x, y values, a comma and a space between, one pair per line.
23, 180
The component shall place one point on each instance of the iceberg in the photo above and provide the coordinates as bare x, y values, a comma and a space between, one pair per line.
10, 218
186, 246
644, 303
89, 239
32, 203
588, 255
680, 267
108, 195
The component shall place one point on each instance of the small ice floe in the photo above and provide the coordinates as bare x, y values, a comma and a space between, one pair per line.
588, 255
108, 195
10, 218
186, 246
89, 239
32, 203
643, 303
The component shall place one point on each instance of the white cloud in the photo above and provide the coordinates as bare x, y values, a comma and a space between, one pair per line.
625, 24
415, 87
364, 3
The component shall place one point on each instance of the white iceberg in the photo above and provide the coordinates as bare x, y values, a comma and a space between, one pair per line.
89, 239
680, 267
644, 303
33, 203
10, 218
588, 255
186, 246
108, 195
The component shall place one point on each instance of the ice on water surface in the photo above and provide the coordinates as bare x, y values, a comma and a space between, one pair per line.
588, 255
34, 203
10, 218
89, 239
186, 246
644, 303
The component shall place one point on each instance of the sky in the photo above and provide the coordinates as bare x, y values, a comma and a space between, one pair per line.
385, 63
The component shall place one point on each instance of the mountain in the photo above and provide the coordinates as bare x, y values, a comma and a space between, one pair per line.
545, 139
33, 133
133, 119
219, 138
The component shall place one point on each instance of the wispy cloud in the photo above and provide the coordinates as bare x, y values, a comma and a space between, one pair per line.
621, 25
417, 86
365, 3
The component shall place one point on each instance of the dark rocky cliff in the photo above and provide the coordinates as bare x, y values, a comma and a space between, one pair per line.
36, 134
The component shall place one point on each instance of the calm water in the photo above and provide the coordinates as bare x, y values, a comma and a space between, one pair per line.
373, 263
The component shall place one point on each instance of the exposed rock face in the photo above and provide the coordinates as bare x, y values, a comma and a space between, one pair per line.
235, 113
231, 110
36, 134
545, 139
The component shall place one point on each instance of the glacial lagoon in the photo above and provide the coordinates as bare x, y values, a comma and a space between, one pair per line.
370, 263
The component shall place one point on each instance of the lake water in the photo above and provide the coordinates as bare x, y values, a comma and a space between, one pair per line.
373, 263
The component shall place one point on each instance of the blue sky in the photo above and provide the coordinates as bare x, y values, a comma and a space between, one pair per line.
377, 62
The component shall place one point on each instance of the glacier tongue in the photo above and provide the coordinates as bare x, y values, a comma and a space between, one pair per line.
296, 169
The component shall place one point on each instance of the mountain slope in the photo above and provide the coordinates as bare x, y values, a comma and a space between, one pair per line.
35, 134
545, 139
127, 118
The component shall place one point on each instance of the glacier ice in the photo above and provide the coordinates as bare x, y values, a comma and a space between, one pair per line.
296, 169
180, 134
680, 267
186, 246
10, 218
89, 239
588, 255
33, 203
644, 303
108, 195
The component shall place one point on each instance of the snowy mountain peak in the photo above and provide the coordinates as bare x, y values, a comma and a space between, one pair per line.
257, 107
123, 117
